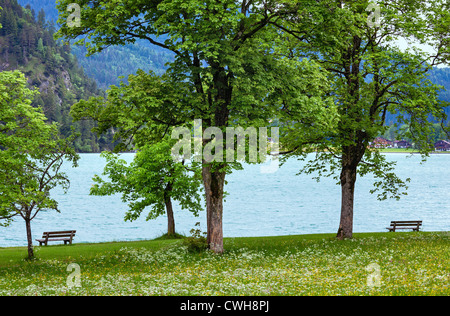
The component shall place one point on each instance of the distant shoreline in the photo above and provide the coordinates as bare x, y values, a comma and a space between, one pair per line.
383, 151
409, 151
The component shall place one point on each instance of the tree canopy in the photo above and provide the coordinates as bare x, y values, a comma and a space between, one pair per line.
370, 77
222, 52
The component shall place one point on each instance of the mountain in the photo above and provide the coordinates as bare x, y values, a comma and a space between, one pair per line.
121, 60
441, 76
27, 44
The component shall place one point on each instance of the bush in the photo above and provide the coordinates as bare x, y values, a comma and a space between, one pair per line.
197, 241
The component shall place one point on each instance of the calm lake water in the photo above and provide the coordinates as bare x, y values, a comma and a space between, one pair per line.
279, 203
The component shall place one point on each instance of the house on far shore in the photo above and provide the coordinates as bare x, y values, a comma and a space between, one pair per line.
442, 145
401, 144
381, 142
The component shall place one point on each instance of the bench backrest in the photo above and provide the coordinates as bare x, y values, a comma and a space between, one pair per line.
406, 223
66, 233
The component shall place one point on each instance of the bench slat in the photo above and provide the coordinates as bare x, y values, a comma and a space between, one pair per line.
61, 232
54, 239
412, 227
58, 235
407, 225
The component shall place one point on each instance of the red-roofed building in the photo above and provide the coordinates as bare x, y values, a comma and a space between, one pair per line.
381, 142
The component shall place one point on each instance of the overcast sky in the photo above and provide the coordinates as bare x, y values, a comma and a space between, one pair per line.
403, 45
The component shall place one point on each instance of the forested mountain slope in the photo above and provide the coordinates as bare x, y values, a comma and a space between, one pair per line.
27, 45
441, 76
120, 60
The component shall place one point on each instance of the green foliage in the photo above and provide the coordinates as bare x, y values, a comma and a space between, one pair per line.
31, 153
150, 180
197, 242
355, 75
138, 112
212, 41
369, 78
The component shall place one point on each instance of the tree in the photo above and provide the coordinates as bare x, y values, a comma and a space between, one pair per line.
41, 18
371, 77
31, 155
40, 47
212, 41
152, 179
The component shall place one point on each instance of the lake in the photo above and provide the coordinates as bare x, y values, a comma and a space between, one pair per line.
279, 203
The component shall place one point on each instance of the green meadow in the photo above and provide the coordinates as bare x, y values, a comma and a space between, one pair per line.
405, 263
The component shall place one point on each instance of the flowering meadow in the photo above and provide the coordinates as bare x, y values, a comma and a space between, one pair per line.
369, 264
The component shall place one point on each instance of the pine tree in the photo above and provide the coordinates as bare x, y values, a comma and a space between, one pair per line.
41, 18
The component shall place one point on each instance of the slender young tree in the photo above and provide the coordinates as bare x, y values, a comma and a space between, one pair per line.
141, 113
31, 155
153, 180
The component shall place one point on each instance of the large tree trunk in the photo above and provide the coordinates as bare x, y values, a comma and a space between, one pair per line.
29, 238
214, 179
214, 184
351, 157
348, 179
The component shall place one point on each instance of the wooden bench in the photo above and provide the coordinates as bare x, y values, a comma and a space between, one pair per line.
65, 236
414, 225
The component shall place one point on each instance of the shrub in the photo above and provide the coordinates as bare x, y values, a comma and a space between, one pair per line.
197, 241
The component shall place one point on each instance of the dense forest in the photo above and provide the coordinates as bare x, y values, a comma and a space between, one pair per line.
27, 44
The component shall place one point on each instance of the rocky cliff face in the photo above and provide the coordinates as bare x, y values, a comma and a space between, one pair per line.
27, 44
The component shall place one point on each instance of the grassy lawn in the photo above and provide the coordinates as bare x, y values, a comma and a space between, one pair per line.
399, 150
370, 264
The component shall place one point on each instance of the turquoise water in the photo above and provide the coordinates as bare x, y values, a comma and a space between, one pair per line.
278, 203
